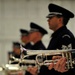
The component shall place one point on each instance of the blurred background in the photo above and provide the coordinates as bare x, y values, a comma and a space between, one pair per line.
16, 14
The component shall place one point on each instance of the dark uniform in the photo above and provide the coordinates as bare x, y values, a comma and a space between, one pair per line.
27, 46
38, 46
25, 33
60, 39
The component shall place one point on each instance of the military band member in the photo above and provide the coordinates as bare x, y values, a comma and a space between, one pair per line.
25, 38
36, 35
16, 52
62, 38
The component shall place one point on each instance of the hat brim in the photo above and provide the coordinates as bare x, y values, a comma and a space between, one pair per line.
49, 16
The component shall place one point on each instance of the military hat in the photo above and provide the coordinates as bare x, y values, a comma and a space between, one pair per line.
58, 10
16, 44
24, 32
35, 27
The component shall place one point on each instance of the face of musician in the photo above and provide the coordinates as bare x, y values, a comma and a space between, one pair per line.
55, 22
25, 39
17, 51
35, 36
24, 36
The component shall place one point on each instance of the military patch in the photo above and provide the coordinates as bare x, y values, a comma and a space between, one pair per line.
67, 47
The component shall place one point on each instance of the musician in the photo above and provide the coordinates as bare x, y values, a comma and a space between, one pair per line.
16, 52
25, 38
62, 38
36, 35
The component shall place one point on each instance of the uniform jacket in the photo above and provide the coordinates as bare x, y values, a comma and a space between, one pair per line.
61, 39
38, 46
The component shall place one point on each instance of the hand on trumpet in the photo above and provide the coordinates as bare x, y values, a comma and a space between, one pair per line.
60, 65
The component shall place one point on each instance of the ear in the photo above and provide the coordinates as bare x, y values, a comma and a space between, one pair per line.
61, 19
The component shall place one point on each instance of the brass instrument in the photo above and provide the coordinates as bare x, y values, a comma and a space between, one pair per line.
41, 57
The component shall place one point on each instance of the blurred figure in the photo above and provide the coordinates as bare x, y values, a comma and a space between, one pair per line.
16, 52
36, 34
25, 39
